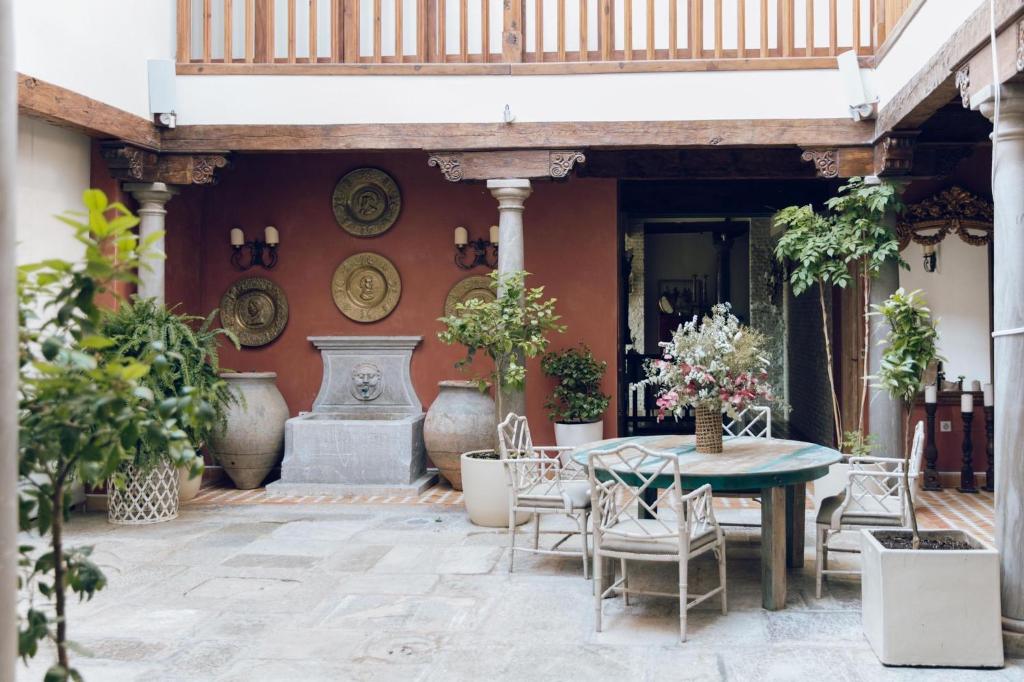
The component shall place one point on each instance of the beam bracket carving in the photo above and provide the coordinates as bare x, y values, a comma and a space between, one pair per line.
825, 161
134, 164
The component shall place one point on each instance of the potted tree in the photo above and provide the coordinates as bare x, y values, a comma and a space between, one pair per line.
577, 403
190, 346
929, 598
508, 329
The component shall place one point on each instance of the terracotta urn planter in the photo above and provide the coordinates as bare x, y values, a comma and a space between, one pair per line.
251, 443
462, 418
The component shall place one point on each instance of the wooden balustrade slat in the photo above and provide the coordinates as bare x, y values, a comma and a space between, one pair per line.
810, 28
538, 33
263, 40
833, 28
605, 28
627, 29
512, 34
763, 48
741, 28
650, 29
786, 19
207, 31
718, 29
229, 49
291, 31
856, 25
584, 28
442, 31
399, 32
184, 21
485, 27
696, 26
250, 29
463, 30
377, 37
350, 39
313, 37
561, 30
673, 30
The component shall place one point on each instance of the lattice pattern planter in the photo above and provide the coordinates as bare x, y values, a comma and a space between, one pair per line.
148, 496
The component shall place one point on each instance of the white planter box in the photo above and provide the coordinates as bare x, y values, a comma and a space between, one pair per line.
931, 607
486, 491
574, 435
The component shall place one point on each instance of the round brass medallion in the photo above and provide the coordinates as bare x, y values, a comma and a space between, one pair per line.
366, 202
255, 309
366, 287
473, 287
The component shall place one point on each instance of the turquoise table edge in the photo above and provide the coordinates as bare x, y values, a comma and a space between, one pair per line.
746, 481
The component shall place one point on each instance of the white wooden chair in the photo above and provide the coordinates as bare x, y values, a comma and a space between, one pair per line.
626, 527
543, 481
875, 496
754, 421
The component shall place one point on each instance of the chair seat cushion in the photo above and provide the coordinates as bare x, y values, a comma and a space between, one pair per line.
851, 517
626, 536
545, 495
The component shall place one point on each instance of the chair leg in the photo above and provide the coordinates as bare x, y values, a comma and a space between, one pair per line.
536, 530
586, 553
683, 568
819, 562
598, 596
511, 537
721, 576
625, 581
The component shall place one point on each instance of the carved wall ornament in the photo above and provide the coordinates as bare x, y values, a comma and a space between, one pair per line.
824, 161
450, 165
255, 309
894, 154
204, 167
951, 211
366, 202
472, 287
963, 84
563, 161
367, 381
366, 287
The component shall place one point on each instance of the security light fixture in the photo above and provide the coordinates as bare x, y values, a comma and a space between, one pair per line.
849, 69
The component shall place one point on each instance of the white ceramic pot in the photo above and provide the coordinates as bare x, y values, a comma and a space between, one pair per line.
252, 441
931, 607
831, 484
486, 490
188, 488
461, 418
574, 435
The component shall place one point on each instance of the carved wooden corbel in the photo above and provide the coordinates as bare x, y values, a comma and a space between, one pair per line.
132, 164
824, 160
450, 165
963, 84
1020, 45
894, 153
563, 161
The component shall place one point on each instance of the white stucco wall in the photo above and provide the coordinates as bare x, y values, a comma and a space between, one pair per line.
957, 293
97, 48
53, 171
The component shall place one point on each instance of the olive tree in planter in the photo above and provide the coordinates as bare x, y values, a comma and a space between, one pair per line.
577, 403
81, 413
508, 329
190, 346
930, 598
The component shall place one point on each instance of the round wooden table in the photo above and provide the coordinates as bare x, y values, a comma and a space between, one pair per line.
775, 469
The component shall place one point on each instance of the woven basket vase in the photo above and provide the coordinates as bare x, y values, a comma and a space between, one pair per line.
709, 430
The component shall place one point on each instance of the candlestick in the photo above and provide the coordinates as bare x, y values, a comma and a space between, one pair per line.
990, 450
931, 394
461, 236
931, 452
967, 484
270, 236
976, 386
989, 397
967, 402
495, 231
237, 236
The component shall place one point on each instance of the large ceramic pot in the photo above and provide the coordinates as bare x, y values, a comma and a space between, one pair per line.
575, 435
188, 488
487, 489
462, 418
251, 443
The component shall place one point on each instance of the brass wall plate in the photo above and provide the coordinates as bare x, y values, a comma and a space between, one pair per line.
366, 287
366, 202
255, 309
472, 287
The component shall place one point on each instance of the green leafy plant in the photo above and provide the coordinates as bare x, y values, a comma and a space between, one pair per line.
82, 412
190, 346
508, 329
830, 249
577, 399
910, 346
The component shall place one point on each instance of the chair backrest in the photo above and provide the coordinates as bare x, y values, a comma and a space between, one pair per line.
754, 421
917, 451
619, 478
514, 437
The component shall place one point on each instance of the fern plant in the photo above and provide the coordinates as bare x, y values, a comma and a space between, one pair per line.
191, 344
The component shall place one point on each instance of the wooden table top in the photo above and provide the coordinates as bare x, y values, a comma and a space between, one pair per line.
746, 463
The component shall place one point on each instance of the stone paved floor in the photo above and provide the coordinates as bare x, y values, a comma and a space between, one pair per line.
311, 592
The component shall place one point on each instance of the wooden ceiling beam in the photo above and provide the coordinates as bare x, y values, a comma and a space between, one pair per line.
532, 163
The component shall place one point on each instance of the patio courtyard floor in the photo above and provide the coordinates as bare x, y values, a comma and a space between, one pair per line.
242, 587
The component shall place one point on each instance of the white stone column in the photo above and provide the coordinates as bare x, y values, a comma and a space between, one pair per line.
511, 195
8, 352
152, 197
1008, 319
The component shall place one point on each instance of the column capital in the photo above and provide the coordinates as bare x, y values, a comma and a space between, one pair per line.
152, 195
510, 193
1011, 108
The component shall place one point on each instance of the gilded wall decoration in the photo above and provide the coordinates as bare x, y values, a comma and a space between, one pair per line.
951, 211
473, 287
255, 309
366, 202
366, 287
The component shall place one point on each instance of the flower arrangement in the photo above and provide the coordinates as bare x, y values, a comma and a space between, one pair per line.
715, 365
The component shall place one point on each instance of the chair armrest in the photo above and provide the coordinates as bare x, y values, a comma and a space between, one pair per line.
699, 492
554, 448
875, 460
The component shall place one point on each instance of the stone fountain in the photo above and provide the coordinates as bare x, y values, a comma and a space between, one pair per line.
364, 435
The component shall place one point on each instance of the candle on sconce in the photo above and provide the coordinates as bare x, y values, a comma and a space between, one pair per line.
461, 236
270, 235
237, 236
495, 231
989, 397
931, 394
967, 402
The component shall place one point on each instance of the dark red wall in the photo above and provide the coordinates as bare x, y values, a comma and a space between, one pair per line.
570, 236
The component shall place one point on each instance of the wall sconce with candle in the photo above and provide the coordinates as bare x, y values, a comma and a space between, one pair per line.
930, 258
261, 252
485, 252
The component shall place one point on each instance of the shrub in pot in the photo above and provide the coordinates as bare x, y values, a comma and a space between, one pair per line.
577, 404
189, 346
932, 598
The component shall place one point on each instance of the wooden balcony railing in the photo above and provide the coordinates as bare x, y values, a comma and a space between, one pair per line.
503, 36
